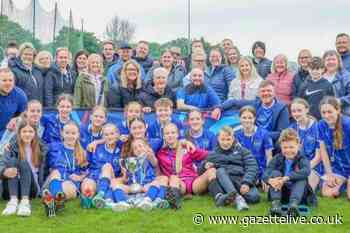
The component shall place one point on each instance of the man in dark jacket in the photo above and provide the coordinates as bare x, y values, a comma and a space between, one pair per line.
236, 171
272, 115
142, 57
156, 89
287, 174
59, 79
261, 63
342, 45
29, 78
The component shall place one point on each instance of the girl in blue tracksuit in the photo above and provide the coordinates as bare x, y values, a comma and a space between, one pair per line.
164, 115
91, 132
54, 123
334, 133
255, 139
307, 128
132, 110
68, 168
103, 167
145, 176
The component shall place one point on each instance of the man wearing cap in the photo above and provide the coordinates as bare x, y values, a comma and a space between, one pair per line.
113, 73
342, 45
262, 64
141, 55
176, 52
13, 101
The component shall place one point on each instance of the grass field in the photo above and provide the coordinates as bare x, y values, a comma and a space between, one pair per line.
74, 219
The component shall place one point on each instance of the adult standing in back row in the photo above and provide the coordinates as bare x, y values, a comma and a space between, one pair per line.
220, 75
60, 78
262, 64
282, 79
342, 44
28, 77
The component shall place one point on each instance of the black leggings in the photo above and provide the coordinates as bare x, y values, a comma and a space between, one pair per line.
22, 185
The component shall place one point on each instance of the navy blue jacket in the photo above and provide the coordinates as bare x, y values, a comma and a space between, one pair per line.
341, 85
300, 168
30, 81
346, 60
148, 95
175, 76
220, 79
119, 97
280, 117
263, 67
146, 62
299, 78
56, 84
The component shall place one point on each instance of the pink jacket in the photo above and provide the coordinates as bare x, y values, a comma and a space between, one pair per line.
283, 85
167, 162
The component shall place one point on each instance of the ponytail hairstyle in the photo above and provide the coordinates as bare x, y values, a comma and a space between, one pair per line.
179, 151
79, 152
34, 145
338, 132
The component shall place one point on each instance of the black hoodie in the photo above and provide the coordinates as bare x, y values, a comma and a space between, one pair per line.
148, 95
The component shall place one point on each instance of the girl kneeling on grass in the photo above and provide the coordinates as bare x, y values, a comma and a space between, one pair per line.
103, 167
145, 176
256, 139
307, 128
334, 132
236, 172
23, 169
68, 168
177, 163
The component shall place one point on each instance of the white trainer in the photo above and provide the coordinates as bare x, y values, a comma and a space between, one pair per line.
121, 206
146, 204
24, 209
11, 208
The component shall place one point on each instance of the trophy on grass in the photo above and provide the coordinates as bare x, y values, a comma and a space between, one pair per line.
133, 165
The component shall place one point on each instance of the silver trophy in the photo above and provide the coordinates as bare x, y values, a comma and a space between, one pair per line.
133, 165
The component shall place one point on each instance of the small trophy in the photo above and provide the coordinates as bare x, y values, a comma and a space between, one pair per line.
133, 165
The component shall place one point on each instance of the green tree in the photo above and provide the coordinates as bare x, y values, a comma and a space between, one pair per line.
76, 40
11, 31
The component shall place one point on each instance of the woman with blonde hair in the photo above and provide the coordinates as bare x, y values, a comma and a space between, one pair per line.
129, 88
91, 88
282, 78
246, 84
43, 60
27, 76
